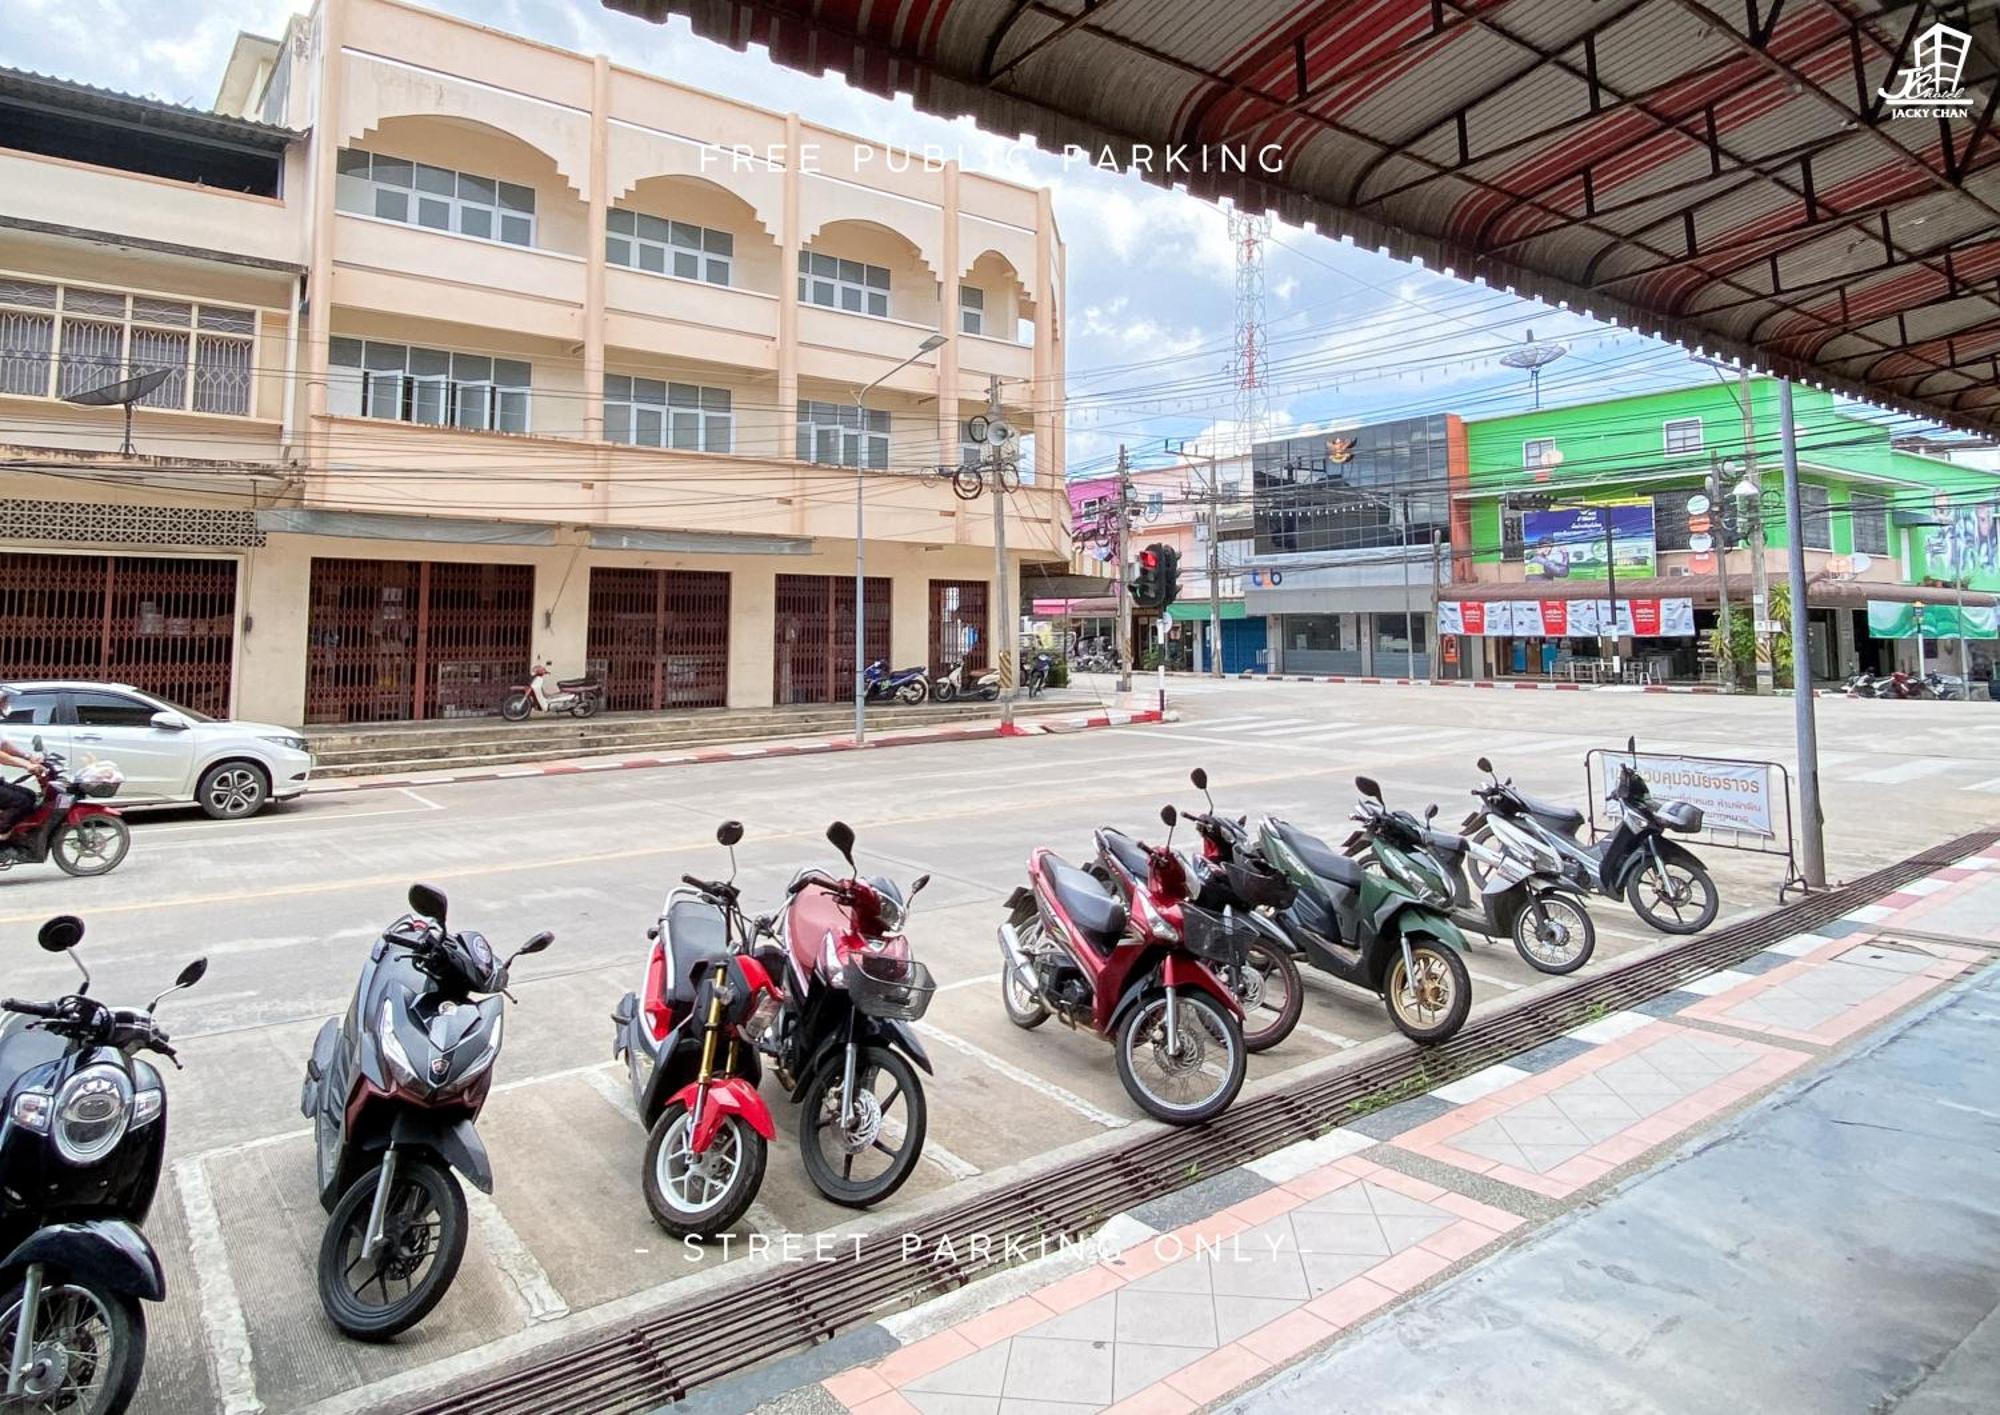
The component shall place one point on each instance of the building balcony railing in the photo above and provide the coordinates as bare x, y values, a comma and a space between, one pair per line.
409, 271
62, 193
739, 327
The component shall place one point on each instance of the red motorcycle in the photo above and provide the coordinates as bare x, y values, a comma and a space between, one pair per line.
689, 1044
1143, 978
579, 697
83, 837
843, 1044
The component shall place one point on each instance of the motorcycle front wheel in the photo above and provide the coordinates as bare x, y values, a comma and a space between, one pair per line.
1268, 987
89, 1349
95, 845
1673, 898
943, 691
515, 709
866, 1157
1197, 1081
1432, 1006
1561, 940
702, 1195
423, 1230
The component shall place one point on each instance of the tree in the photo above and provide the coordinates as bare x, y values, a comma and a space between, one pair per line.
1736, 650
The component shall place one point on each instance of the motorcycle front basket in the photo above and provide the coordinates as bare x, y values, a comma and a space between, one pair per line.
1257, 884
896, 989
1684, 816
1216, 938
98, 790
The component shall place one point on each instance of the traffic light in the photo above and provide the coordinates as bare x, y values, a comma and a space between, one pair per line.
1170, 574
1146, 585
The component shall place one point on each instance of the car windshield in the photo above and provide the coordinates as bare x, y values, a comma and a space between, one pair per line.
170, 705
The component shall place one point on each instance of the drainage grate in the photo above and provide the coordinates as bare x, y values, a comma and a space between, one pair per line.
660, 1359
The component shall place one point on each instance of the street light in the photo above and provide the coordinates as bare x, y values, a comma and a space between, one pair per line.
932, 341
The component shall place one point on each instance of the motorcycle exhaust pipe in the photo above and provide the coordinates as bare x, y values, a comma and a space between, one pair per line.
1010, 949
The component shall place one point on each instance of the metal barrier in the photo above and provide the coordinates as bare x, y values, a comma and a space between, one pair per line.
1722, 837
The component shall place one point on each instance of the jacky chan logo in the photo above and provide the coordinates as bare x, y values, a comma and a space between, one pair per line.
1929, 84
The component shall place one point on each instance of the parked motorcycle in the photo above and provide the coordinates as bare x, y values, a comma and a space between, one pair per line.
578, 697
80, 1152
1146, 980
69, 826
1036, 676
393, 1091
1943, 687
1865, 685
950, 684
882, 684
1266, 983
843, 1044
1661, 879
1370, 930
1512, 887
688, 1039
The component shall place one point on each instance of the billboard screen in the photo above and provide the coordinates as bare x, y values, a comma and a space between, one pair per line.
1569, 540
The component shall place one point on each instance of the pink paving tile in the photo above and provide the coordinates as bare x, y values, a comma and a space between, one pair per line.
1203, 1234
850, 1388
1261, 1208
1323, 1180
1003, 1321
920, 1358
1350, 1302
1408, 1268
1285, 1338
1499, 1220
1461, 1239
1407, 1185
1078, 1288
1580, 1170
1142, 1260
1354, 1165
890, 1404
1218, 1373
1161, 1399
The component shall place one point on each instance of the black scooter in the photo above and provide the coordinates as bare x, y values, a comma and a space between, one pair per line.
80, 1147
392, 1091
1663, 881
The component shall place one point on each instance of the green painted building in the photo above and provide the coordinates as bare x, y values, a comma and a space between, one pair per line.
1880, 522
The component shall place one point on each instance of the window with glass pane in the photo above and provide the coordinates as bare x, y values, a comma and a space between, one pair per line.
93, 354
1537, 451
26, 341
1670, 519
1818, 521
1683, 435
664, 247
844, 284
432, 386
651, 412
843, 435
971, 309
1869, 512
437, 198
1511, 538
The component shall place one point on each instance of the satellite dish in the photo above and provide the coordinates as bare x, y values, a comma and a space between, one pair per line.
124, 393
1860, 561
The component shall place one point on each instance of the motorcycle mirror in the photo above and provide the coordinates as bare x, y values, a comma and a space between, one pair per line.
1484, 765
917, 886
841, 835
536, 944
729, 833
428, 900
60, 934
36, 743
1632, 746
1430, 811
1199, 778
192, 974
1367, 787
1169, 817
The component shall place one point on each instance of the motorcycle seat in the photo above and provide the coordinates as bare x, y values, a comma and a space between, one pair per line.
570, 685
1085, 902
1567, 819
1129, 853
697, 935
1314, 854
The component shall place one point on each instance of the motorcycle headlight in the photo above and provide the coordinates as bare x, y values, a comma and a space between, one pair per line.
31, 1111
1156, 922
762, 1015
147, 1105
93, 1110
392, 1048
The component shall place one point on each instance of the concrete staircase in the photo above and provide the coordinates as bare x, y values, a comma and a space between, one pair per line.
403, 747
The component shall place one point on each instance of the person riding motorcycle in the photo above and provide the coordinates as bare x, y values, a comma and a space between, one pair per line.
16, 800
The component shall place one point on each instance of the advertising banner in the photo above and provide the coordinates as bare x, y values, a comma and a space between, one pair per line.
1677, 618
1555, 618
1476, 621
1645, 618
1567, 541
1450, 619
1733, 796
1893, 619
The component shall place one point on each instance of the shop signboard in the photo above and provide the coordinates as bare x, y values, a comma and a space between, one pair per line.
1567, 541
1734, 796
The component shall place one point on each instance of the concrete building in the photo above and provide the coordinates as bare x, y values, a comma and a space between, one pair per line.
479, 351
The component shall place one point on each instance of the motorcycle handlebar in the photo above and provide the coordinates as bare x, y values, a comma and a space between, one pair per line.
31, 1009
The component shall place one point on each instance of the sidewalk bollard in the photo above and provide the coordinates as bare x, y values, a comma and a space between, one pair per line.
1163, 688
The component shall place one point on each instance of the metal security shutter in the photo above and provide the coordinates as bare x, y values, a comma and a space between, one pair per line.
812, 643
163, 624
660, 638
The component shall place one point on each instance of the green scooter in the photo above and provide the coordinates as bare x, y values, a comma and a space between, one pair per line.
1370, 930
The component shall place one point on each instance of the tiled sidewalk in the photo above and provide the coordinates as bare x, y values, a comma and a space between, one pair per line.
1833, 989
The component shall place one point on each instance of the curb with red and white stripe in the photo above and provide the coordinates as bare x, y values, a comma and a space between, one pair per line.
707, 756
1704, 689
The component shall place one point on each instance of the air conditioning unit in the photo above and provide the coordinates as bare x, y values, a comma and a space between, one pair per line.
1674, 572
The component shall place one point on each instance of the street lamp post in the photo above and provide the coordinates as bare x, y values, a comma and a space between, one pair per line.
1750, 496
931, 342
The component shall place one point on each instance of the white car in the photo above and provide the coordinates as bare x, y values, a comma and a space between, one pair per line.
169, 754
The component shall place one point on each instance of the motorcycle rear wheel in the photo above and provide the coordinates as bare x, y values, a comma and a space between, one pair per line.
80, 1328
515, 709
832, 1173
1024, 1007
1272, 999
587, 705
1561, 945
96, 845
701, 1196
913, 692
426, 1221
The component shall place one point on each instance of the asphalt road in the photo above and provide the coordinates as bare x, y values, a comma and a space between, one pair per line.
286, 906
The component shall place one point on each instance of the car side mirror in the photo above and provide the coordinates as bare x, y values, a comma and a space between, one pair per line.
61, 934
428, 901
171, 722
1367, 787
841, 835
729, 833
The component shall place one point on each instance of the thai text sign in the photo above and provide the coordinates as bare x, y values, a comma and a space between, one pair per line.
1733, 795
1573, 540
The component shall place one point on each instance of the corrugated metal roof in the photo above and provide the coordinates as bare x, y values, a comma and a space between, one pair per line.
1718, 173
67, 95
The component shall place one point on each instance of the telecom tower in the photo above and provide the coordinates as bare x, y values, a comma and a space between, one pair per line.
1247, 232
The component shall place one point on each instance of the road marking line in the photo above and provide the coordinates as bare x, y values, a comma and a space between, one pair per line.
1493, 982
979, 981
224, 1329
1068, 1099
538, 1298
1333, 1039
1905, 771
1990, 784
615, 1091
424, 801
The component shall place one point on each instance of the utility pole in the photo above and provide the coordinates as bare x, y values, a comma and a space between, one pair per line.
1760, 583
1009, 607
1611, 588
1437, 579
1802, 697
1215, 575
1124, 510
1409, 618
1719, 517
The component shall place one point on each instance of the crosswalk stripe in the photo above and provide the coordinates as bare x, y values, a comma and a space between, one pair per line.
1906, 771
1278, 726
1990, 784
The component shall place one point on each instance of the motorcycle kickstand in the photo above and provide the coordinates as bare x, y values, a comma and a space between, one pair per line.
378, 1208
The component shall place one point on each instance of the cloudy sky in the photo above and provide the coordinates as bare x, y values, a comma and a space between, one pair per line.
1352, 335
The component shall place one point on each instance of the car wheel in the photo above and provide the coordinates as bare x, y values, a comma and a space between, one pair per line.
233, 790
